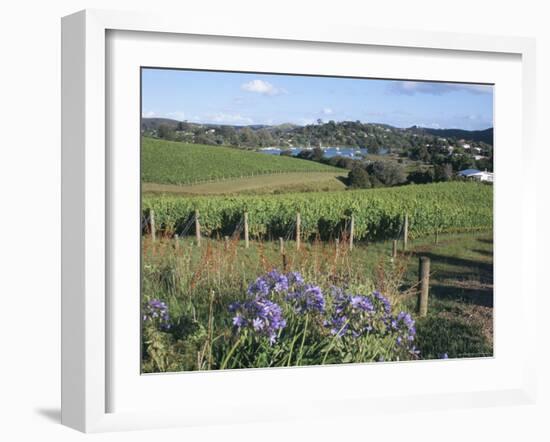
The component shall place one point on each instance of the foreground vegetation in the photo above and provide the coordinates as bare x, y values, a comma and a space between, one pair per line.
209, 294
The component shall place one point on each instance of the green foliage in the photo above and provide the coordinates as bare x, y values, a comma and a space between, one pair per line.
442, 207
421, 176
167, 162
358, 178
443, 172
166, 131
440, 335
388, 173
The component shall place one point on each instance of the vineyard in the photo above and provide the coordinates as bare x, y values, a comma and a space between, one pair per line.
168, 162
378, 213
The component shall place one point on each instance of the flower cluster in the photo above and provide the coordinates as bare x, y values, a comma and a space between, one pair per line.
271, 282
357, 315
403, 325
352, 314
307, 298
345, 314
260, 315
157, 311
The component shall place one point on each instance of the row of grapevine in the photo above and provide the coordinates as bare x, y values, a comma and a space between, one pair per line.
378, 213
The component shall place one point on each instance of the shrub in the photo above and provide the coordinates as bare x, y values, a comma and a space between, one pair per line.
358, 178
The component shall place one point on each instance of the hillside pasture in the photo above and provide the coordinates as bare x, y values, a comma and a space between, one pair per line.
169, 162
262, 184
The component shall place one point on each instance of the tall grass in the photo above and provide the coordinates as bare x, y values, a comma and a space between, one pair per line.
199, 284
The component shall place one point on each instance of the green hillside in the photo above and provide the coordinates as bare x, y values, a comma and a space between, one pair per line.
168, 162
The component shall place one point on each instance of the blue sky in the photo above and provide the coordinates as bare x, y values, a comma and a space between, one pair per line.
241, 99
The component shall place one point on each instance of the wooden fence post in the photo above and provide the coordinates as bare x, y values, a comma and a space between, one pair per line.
424, 278
298, 228
351, 230
394, 249
405, 232
281, 246
152, 224
176, 241
197, 228
246, 230
226, 238
337, 246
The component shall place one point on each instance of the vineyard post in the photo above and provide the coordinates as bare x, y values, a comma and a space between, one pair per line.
176, 241
281, 246
226, 238
246, 230
424, 278
394, 249
298, 226
405, 232
284, 262
337, 244
152, 224
197, 228
351, 229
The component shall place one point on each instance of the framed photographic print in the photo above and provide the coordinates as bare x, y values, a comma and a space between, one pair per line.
250, 214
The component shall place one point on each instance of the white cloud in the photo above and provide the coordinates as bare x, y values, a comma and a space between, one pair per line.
436, 88
261, 87
306, 121
180, 116
327, 111
228, 118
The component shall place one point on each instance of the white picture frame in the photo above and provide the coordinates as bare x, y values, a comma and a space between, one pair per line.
86, 315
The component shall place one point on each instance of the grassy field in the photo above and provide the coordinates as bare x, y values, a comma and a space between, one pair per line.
168, 162
263, 184
198, 283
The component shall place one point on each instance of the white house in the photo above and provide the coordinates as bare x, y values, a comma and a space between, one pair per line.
478, 175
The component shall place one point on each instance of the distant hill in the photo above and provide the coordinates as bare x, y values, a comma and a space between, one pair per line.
154, 123
373, 136
484, 136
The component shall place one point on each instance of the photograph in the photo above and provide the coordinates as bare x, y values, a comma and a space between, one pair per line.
292, 220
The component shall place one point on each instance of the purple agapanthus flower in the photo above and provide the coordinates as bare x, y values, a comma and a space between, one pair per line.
271, 282
259, 315
307, 298
404, 327
381, 300
295, 278
352, 314
157, 311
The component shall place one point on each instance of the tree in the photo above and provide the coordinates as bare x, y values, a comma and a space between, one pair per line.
443, 172
387, 172
359, 178
317, 154
165, 131
420, 176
